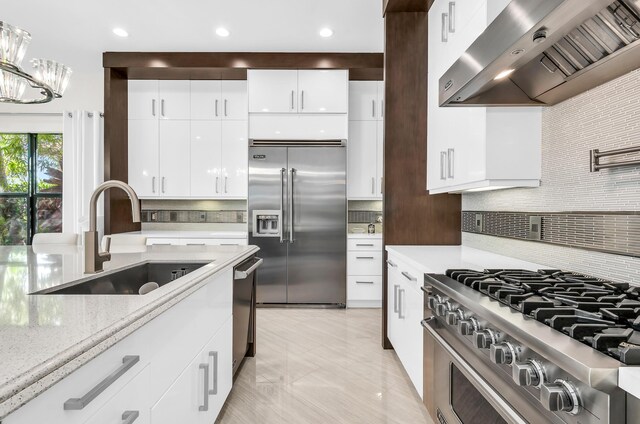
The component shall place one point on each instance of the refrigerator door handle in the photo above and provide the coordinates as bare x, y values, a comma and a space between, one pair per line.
282, 172
292, 236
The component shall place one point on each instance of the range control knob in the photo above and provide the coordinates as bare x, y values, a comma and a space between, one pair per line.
433, 300
560, 396
529, 373
453, 317
466, 327
443, 307
483, 339
503, 353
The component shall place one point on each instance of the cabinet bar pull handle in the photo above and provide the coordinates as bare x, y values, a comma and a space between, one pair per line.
153, 184
217, 178
162, 107
163, 185
205, 404
153, 107
382, 108
373, 108
450, 162
196, 244
381, 185
364, 282
225, 107
302, 100
292, 94
76, 404
373, 185
216, 107
214, 389
395, 298
129, 417
445, 27
365, 244
229, 244
452, 16
443, 165
225, 179
408, 276
391, 263
364, 257
401, 304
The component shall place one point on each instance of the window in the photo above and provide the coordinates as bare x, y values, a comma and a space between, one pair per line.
30, 186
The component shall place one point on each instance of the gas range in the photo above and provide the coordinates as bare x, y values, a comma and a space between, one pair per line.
548, 343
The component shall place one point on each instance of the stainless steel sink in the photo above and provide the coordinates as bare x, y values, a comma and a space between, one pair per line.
127, 281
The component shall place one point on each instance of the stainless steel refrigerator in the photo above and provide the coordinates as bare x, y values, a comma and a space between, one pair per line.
298, 218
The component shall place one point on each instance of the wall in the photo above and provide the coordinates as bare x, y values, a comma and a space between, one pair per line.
604, 118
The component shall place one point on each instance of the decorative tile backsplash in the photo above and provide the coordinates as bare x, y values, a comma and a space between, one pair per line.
606, 117
208, 217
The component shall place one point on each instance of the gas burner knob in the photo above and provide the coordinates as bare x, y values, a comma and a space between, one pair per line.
433, 300
483, 339
443, 307
561, 396
466, 327
503, 353
453, 317
529, 373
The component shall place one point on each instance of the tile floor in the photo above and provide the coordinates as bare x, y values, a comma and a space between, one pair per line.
322, 366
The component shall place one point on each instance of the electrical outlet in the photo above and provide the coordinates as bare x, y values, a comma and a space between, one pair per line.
479, 224
535, 228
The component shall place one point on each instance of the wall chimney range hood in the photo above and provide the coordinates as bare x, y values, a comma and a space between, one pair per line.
545, 51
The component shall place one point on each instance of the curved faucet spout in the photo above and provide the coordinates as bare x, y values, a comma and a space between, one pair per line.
93, 258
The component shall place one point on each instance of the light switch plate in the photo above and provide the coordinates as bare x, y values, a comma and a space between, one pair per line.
479, 223
535, 228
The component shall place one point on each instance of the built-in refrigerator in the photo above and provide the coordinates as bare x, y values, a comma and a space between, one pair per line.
298, 217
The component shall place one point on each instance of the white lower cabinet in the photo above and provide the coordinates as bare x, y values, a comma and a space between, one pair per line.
404, 314
197, 396
364, 272
153, 374
169, 241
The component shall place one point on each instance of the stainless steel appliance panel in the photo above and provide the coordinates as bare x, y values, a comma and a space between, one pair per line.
318, 242
267, 191
243, 309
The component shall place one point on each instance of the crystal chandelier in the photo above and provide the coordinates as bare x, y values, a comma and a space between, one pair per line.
49, 77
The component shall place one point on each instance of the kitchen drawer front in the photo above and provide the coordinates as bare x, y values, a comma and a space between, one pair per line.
130, 356
132, 403
191, 323
410, 275
213, 242
364, 244
367, 287
364, 263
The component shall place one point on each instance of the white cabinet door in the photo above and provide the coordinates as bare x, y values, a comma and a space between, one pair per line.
379, 158
393, 287
362, 159
272, 91
206, 100
206, 145
234, 100
380, 104
234, 165
174, 158
143, 157
323, 91
199, 392
363, 101
413, 313
174, 99
143, 99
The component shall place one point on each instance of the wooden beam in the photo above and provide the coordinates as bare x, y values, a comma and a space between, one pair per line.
394, 6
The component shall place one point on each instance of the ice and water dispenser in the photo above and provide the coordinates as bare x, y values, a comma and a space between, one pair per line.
266, 223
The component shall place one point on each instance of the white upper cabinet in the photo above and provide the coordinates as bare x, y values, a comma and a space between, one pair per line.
174, 99
303, 91
206, 100
143, 99
365, 103
474, 148
234, 100
205, 158
272, 91
235, 161
174, 158
323, 91
143, 157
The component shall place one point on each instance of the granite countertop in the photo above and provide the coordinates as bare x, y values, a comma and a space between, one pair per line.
191, 234
46, 337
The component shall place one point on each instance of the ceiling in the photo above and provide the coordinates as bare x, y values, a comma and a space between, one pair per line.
76, 32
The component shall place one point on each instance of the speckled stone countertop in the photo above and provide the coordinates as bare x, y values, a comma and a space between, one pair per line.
43, 338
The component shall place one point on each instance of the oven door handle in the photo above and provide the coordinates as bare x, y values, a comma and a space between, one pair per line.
503, 408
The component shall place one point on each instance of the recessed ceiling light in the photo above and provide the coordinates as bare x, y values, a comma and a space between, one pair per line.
504, 74
326, 32
120, 32
222, 32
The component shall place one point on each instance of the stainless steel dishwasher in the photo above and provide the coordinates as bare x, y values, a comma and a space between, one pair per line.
244, 310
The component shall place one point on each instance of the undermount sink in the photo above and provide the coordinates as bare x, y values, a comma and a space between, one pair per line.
127, 281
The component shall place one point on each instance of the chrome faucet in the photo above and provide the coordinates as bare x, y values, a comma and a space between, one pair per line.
93, 257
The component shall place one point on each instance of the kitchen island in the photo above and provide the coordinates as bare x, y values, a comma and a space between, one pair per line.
47, 337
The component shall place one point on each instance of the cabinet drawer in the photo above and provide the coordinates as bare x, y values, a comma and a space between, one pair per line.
132, 403
364, 263
364, 244
406, 273
364, 287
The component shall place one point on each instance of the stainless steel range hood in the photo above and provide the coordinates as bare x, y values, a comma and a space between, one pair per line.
555, 49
